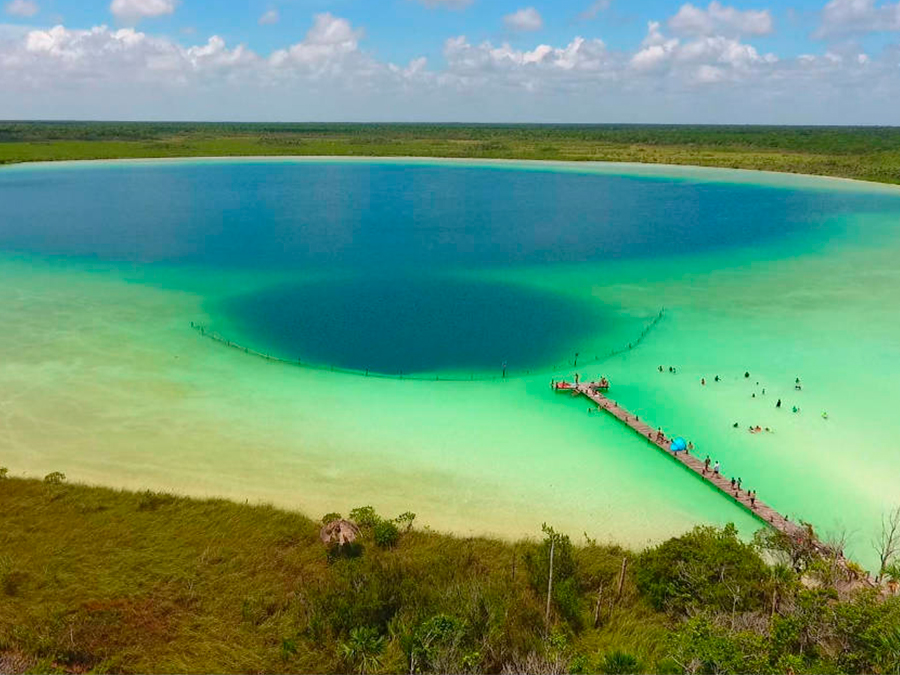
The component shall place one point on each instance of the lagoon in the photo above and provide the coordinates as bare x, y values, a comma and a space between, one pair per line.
448, 269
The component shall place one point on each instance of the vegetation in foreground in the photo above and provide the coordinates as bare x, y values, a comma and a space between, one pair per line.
93, 579
866, 153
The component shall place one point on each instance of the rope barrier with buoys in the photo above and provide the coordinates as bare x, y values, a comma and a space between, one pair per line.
506, 374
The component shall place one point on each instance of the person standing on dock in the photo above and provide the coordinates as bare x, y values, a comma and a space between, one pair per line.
706, 465
716, 468
739, 483
753, 499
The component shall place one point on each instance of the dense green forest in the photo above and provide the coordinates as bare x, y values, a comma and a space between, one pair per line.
93, 579
867, 153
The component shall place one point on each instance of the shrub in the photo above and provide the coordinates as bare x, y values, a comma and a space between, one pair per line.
618, 663
328, 517
150, 501
708, 567
4, 472
386, 534
365, 516
436, 645
363, 649
55, 478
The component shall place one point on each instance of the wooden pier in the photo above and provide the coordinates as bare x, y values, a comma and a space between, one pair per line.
758, 508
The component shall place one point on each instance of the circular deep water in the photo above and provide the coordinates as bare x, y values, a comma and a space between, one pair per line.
415, 324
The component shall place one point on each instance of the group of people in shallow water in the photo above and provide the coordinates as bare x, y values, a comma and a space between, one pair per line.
755, 429
735, 484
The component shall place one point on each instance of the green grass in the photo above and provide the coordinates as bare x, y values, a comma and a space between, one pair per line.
865, 153
94, 579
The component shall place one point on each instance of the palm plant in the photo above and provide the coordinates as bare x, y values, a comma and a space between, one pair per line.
363, 649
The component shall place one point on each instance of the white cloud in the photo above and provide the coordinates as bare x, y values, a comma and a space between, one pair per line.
592, 10
269, 18
526, 19
331, 45
655, 48
717, 19
126, 73
132, 11
844, 17
22, 8
704, 59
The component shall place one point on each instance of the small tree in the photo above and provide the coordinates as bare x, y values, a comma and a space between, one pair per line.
799, 551
55, 478
4, 472
405, 520
887, 544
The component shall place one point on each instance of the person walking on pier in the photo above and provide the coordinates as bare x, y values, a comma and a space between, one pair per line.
753, 499
716, 468
739, 484
706, 465
732, 482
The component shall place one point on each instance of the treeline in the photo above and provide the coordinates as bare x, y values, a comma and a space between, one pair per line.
867, 153
817, 139
93, 579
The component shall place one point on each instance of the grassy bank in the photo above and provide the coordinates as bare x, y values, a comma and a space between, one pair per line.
865, 153
112, 581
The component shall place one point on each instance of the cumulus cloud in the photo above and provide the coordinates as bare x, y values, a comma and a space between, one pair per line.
717, 19
330, 45
526, 19
126, 73
707, 59
132, 11
22, 8
269, 18
845, 17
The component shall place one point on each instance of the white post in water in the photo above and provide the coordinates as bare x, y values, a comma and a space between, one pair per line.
550, 581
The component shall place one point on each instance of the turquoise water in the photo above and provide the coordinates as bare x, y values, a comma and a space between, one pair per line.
436, 268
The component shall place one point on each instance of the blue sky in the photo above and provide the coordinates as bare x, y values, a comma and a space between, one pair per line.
796, 61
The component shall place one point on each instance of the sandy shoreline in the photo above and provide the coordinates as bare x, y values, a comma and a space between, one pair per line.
661, 170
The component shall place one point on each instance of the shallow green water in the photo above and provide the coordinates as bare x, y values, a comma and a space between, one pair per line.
103, 379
